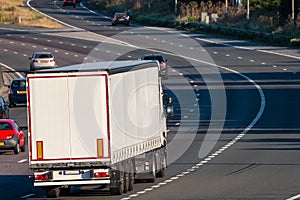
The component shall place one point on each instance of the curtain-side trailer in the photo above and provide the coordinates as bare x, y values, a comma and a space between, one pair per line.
96, 124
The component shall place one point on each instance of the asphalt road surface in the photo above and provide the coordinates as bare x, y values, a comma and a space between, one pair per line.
235, 133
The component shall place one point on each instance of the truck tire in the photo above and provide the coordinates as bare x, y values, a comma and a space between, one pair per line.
126, 177
163, 165
152, 174
118, 181
52, 192
65, 191
131, 175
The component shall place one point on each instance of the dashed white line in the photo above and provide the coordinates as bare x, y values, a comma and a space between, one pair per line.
22, 161
26, 196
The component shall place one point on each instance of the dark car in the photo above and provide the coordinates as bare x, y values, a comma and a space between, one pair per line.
4, 109
120, 18
69, 3
11, 136
17, 92
163, 63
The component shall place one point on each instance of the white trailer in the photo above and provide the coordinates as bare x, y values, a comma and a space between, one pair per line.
96, 123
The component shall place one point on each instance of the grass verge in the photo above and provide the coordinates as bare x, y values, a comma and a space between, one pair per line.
14, 12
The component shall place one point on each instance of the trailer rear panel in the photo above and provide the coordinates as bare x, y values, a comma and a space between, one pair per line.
68, 117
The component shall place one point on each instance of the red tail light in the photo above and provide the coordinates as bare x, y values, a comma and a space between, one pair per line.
41, 177
9, 136
10, 91
101, 174
34, 61
52, 60
163, 64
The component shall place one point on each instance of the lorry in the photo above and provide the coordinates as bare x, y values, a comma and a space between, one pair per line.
101, 123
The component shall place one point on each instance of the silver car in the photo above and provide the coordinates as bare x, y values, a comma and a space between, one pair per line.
42, 60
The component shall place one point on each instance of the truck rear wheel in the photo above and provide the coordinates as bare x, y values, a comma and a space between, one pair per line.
163, 165
153, 170
126, 177
131, 175
52, 192
117, 181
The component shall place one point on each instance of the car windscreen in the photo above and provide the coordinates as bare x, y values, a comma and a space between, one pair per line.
158, 58
43, 56
5, 126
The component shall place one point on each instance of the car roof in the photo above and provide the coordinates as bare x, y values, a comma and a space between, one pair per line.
153, 54
18, 79
42, 52
6, 120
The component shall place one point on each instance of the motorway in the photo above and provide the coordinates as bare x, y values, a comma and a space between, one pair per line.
235, 133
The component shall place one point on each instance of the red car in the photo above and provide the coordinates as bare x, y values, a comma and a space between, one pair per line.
11, 136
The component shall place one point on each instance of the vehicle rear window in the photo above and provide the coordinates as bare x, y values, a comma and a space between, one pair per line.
121, 15
19, 84
5, 126
43, 56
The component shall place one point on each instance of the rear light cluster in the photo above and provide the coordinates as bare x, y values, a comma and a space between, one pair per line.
147, 165
101, 173
41, 177
10, 91
9, 137
163, 64
52, 60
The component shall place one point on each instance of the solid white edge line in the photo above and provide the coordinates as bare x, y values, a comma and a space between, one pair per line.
294, 197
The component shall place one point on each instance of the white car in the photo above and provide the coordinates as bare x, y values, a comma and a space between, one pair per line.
42, 60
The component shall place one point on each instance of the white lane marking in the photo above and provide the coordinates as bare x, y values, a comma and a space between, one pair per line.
21, 161
294, 197
11, 69
5, 50
249, 48
251, 60
240, 58
227, 55
26, 196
